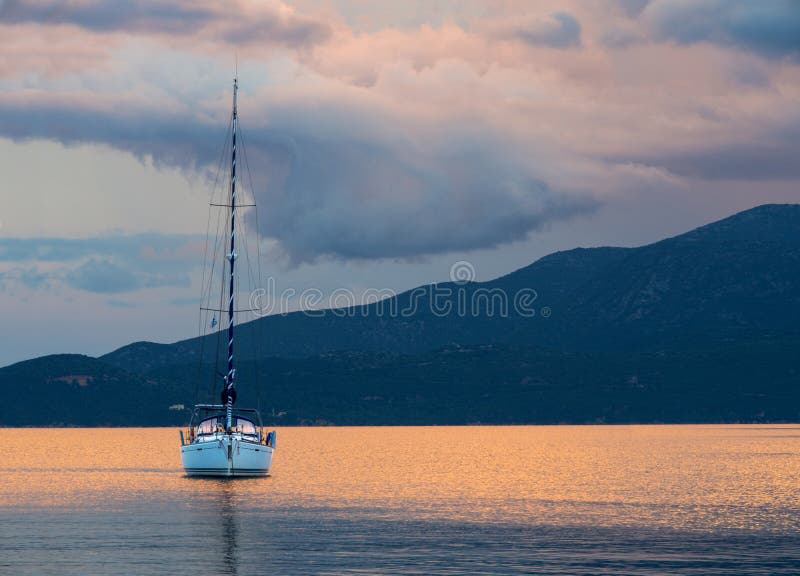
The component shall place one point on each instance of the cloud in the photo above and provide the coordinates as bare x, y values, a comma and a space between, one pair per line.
104, 15
103, 265
632, 7
115, 303
558, 30
107, 277
372, 197
235, 23
103, 276
30, 277
344, 175
769, 28
622, 34
751, 162
128, 247
168, 140
342, 180
184, 301
402, 143
771, 154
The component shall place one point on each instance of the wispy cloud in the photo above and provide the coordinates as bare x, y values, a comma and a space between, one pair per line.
129, 247
116, 303
107, 277
103, 265
30, 277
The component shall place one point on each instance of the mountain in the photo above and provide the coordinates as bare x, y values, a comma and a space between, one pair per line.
74, 390
735, 279
753, 382
702, 327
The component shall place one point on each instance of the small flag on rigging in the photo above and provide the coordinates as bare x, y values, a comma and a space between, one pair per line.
214, 321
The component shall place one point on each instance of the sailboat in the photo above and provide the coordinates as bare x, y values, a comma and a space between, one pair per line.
223, 440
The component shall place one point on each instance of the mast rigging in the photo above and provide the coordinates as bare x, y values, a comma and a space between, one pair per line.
229, 396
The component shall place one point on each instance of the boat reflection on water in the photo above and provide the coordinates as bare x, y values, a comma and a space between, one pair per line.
225, 519
226, 512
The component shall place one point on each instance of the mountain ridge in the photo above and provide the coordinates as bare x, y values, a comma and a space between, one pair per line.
703, 326
607, 287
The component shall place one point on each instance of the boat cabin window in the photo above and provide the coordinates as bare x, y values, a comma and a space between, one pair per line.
207, 426
244, 426
212, 425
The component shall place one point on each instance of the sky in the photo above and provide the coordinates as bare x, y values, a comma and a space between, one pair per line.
386, 142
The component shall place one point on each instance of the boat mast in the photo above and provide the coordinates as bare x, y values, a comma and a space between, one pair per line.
231, 391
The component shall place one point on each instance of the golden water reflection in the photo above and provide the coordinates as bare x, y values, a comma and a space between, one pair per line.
689, 477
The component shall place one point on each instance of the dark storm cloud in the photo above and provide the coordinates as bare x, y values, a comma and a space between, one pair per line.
356, 199
770, 28
330, 183
170, 140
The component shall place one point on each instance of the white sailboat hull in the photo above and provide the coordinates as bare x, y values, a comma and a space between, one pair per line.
226, 456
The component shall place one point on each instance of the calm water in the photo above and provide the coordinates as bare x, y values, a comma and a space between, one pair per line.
473, 500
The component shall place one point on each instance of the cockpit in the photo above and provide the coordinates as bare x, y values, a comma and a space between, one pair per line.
216, 424
210, 425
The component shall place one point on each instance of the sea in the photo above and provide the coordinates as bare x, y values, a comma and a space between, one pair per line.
478, 500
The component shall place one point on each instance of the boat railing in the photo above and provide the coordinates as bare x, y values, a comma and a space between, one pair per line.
258, 434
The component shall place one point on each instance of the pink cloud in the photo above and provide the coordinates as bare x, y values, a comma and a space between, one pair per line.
409, 121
